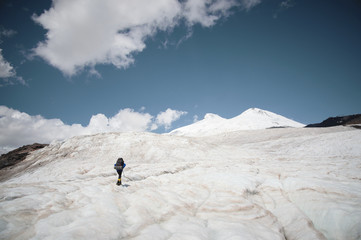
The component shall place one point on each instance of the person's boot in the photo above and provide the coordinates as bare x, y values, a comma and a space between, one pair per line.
119, 181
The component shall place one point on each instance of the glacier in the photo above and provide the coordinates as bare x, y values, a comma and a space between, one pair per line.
283, 183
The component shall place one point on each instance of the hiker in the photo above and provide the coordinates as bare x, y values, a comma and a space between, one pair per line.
119, 166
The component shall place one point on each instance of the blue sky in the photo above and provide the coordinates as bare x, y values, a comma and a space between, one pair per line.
159, 66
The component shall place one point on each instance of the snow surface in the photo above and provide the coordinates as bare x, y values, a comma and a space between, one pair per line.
251, 119
291, 183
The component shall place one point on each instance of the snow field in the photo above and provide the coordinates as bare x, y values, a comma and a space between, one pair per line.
262, 184
251, 119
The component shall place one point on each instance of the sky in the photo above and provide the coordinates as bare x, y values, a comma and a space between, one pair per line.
72, 67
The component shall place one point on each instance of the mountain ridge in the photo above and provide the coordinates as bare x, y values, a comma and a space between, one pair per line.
17, 155
251, 119
339, 120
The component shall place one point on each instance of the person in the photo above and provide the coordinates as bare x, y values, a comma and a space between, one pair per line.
119, 166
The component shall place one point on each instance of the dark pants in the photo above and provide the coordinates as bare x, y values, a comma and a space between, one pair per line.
120, 174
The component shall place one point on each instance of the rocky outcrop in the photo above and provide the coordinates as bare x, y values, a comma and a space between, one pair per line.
336, 121
18, 154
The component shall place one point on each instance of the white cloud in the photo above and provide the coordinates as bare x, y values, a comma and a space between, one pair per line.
248, 4
283, 6
166, 118
6, 70
83, 33
128, 120
287, 4
185, 37
7, 33
8, 74
196, 11
98, 123
95, 73
19, 128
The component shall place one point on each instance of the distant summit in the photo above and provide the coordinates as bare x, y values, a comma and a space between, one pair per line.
251, 119
336, 121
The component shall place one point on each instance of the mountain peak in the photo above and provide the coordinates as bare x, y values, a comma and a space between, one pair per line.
251, 119
212, 116
256, 111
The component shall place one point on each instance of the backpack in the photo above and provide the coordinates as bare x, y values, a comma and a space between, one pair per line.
119, 165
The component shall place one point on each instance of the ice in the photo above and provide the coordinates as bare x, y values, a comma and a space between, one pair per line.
292, 183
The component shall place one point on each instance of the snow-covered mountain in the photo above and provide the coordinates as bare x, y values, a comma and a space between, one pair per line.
251, 119
290, 183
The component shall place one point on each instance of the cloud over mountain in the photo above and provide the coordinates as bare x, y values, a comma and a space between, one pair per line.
166, 118
19, 128
84, 33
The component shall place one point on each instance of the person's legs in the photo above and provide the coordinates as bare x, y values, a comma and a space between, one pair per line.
120, 176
